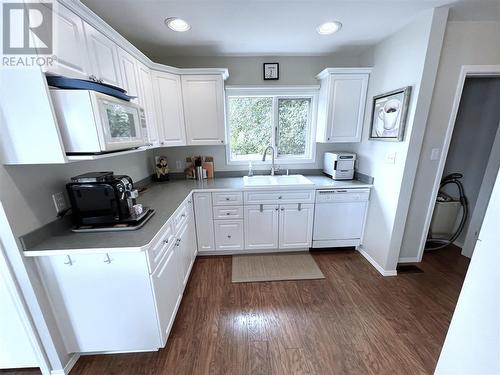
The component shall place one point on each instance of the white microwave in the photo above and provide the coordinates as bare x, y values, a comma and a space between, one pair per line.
93, 123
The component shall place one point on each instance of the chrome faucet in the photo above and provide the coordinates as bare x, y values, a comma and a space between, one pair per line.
273, 149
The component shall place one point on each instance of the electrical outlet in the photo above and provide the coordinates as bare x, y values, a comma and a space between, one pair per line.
178, 165
59, 201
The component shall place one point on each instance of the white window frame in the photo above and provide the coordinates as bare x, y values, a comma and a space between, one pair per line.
278, 92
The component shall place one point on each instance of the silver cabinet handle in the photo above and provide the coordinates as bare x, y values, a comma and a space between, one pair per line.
261, 208
177, 243
300, 207
280, 197
165, 241
227, 198
227, 213
108, 259
183, 215
228, 236
69, 262
282, 209
276, 208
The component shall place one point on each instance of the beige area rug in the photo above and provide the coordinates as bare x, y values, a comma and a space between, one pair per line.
274, 267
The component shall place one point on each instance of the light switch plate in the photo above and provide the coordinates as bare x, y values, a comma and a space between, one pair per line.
390, 158
178, 165
59, 201
435, 152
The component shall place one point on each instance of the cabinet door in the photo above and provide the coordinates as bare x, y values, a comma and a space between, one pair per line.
128, 70
167, 289
261, 227
203, 98
229, 234
146, 100
348, 99
204, 222
102, 302
69, 44
170, 113
182, 247
192, 246
103, 53
296, 225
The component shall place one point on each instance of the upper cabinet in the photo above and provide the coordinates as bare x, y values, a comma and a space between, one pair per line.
69, 45
203, 99
103, 54
169, 110
146, 100
341, 104
128, 70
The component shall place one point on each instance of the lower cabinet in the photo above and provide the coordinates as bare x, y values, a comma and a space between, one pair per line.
167, 280
228, 234
296, 226
121, 302
204, 222
261, 226
103, 302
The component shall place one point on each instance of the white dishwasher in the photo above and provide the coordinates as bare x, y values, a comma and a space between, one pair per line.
339, 217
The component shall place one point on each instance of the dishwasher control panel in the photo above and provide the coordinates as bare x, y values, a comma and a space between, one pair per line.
342, 195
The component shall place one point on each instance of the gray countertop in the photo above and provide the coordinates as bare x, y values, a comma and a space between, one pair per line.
165, 198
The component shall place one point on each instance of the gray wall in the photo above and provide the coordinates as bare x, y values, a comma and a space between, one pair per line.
247, 70
473, 136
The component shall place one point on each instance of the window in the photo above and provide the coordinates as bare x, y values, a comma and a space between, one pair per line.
259, 118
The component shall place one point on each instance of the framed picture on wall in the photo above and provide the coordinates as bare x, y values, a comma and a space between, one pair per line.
271, 71
389, 113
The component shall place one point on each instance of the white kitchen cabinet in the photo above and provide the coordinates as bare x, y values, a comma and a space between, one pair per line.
341, 104
146, 100
102, 302
261, 226
129, 74
204, 222
203, 98
69, 45
169, 109
167, 289
186, 245
229, 235
103, 54
296, 226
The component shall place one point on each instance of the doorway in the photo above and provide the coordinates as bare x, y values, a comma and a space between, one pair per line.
471, 163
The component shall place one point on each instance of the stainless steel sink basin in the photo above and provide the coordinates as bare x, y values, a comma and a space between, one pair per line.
276, 181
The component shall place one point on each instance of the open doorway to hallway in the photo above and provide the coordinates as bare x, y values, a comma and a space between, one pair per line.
472, 163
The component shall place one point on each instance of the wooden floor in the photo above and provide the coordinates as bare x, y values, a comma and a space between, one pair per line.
353, 322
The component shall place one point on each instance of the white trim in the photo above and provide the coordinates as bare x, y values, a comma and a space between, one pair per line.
408, 260
483, 198
278, 89
374, 263
246, 251
67, 368
327, 71
466, 71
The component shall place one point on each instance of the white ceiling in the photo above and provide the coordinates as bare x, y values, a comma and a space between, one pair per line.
256, 27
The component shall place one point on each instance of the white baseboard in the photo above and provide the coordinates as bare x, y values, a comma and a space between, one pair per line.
408, 260
377, 266
68, 367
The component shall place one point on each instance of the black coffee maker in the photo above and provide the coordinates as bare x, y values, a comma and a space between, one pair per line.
99, 198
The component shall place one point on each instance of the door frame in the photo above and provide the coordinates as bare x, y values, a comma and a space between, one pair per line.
467, 71
487, 184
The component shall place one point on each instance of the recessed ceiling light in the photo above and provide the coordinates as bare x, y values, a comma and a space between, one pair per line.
329, 27
177, 24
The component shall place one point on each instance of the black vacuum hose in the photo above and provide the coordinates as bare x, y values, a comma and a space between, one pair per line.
453, 178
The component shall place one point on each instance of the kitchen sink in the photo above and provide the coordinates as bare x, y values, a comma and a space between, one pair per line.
276, 181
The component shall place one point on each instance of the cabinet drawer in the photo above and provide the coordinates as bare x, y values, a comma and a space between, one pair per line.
227, 199
228, 212
228, 234
156, 251
270, 197
180, 217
